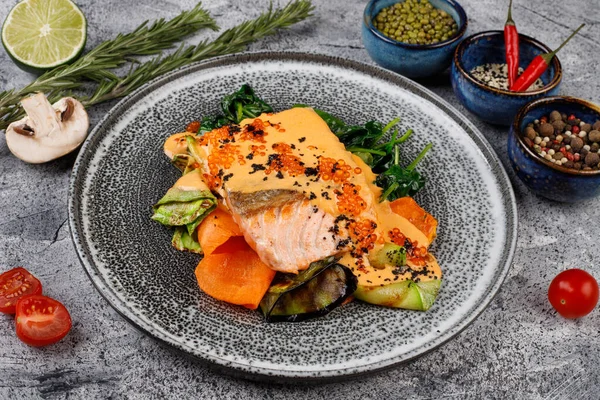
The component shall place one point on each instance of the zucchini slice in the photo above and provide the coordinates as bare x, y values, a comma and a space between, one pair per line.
312, 293
407, 294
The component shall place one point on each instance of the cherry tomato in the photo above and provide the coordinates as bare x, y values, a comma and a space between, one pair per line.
41, 320
14, 284
573, 293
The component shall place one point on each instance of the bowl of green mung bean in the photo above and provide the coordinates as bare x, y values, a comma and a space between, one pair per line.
415, 38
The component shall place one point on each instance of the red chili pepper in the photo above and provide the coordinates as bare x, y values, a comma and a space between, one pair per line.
511, 45
537, 67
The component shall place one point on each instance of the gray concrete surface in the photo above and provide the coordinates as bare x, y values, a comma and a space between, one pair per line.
518, 348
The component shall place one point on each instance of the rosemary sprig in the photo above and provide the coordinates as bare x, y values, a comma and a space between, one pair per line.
96, 65
231, 41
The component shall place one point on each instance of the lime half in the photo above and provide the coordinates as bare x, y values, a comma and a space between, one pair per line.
42, 34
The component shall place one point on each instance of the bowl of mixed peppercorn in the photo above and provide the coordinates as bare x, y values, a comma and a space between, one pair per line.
415, 38
554, 148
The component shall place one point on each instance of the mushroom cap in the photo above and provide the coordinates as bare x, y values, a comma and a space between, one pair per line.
48, 131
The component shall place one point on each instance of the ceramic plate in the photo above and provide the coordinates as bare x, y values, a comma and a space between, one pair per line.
121, 172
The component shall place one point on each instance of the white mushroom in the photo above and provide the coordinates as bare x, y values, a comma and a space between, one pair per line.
48, 131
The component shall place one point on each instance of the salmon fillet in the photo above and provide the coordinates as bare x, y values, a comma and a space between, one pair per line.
285, 230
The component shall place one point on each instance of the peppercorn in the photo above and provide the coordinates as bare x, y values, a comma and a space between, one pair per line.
530, 132
596, 126
576, 143
592, 159
546, 129
555, 116
558, 125
594, 147
586, 127
594, 136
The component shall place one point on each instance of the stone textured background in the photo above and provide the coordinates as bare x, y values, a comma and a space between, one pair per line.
518, 347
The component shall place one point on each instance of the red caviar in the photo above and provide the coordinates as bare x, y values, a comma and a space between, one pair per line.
363, 236
349, 201
254, 131
285, 161
330, 169
193, 127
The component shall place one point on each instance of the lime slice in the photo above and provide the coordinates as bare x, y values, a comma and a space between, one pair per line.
42, 34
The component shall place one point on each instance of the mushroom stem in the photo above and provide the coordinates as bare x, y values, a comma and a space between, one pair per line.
42, 117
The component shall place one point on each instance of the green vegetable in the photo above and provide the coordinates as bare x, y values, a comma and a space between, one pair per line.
312, 293
183, 162
182, 207
236, 107
408, 294
399, 182
184, 241
389, 254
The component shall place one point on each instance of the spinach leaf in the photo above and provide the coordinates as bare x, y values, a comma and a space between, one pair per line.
235, 107
399, 182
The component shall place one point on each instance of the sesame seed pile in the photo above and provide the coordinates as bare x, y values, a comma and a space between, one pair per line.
496, 76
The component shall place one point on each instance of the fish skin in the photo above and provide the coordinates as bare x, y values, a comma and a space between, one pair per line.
286, 230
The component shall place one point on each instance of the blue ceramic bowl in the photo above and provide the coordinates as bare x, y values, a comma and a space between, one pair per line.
493, 105
411, 60
544, 177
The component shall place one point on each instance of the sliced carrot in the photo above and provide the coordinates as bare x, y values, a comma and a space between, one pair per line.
216, 229
409, 209
235, 274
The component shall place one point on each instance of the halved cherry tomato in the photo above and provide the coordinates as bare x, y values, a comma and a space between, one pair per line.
573, 293
41, 320
14, 284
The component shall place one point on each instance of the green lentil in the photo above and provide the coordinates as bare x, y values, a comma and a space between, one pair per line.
415, 22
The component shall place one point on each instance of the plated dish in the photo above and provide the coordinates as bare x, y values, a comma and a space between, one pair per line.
121, 172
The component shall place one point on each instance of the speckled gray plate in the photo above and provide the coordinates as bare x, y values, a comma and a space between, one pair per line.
121, 171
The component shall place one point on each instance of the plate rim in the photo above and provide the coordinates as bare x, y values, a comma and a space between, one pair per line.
261, 373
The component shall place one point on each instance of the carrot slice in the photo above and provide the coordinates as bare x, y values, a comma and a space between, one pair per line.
234, 274
216, 229
409, 209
